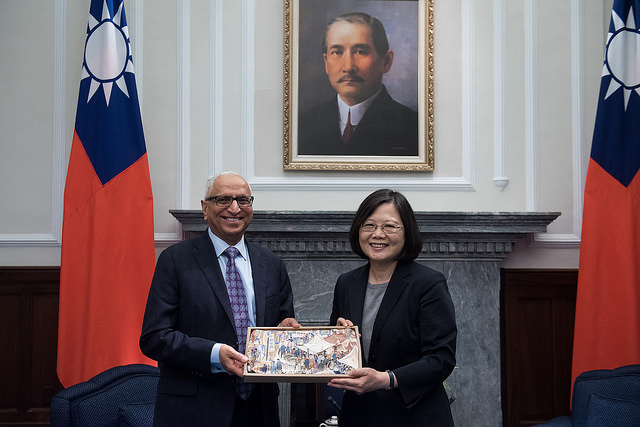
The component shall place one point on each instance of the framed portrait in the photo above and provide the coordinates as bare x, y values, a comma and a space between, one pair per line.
306, 354
358, 85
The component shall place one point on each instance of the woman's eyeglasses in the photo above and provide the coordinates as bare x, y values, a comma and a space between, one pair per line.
369, 227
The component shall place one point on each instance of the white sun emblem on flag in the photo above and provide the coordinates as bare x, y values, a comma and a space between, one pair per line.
107, 53
622, 46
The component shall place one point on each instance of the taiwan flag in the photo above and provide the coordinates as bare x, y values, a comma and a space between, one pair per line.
607, 325
107, 258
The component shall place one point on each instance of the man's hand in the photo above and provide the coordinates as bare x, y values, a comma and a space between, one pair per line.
289, 322
232, 361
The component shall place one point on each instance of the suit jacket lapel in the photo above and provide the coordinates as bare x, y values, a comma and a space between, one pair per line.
259, 282
396, 287
206, 258
357, 291
373, 122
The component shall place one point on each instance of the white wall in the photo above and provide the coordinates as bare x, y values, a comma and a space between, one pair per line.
515, 96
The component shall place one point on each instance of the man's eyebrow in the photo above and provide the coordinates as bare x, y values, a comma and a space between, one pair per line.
355, 46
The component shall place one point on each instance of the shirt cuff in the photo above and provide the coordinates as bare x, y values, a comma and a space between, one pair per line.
216, 366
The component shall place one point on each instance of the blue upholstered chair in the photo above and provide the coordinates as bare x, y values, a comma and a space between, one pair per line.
120, 396
604, 398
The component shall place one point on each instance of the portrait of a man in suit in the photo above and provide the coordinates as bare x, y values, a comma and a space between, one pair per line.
362, 119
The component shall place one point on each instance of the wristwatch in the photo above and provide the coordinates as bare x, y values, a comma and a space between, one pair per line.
391, 380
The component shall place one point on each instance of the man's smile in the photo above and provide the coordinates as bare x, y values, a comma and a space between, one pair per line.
232, 218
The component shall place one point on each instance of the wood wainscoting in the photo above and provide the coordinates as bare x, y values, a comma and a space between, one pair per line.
28, 337
538, 311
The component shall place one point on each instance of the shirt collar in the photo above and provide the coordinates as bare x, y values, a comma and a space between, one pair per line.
357, 111
220, 245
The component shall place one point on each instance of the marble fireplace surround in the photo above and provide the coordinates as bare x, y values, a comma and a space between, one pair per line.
467, 247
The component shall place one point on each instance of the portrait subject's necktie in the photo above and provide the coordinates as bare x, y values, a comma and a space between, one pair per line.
238, 299
348, 129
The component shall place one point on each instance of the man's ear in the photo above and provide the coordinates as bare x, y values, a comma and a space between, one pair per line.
203, 204
324, 56
388, 61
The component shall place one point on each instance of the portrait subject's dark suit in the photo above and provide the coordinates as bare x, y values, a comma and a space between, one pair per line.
414, 334
388, 128
187, 312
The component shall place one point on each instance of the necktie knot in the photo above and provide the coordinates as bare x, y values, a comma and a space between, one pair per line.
231, 252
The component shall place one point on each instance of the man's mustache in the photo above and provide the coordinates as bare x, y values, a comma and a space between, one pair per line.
351, 78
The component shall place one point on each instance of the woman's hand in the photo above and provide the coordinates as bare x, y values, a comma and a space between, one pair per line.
343, 322
362, 380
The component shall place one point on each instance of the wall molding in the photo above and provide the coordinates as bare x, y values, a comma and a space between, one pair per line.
468, 100
247, 90
579, 140
58, 138
500, 119
31, 239
183, 101
531, 103
59, 120
554, 240
359, 184
216, 86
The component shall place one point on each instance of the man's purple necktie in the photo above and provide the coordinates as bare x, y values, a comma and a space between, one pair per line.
238, 299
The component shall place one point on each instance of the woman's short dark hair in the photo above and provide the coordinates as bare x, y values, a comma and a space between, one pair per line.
412, 240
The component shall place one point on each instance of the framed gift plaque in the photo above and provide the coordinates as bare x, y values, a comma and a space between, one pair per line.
306, 354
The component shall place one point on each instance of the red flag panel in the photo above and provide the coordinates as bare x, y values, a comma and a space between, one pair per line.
106, 268
607, 330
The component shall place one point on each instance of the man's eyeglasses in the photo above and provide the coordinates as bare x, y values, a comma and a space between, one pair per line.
226, 201
369, 227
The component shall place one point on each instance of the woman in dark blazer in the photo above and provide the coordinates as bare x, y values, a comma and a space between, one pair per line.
406, 318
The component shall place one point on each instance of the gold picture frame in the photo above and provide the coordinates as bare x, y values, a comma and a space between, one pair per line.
411, 38
305, 354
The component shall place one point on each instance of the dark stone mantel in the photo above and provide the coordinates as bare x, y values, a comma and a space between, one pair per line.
299, 234
467, 247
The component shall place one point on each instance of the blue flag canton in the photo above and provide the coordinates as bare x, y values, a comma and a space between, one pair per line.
616, 137
108, 120
112, 135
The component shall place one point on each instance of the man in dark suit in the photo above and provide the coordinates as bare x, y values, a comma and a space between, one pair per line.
189, 325
363, 119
